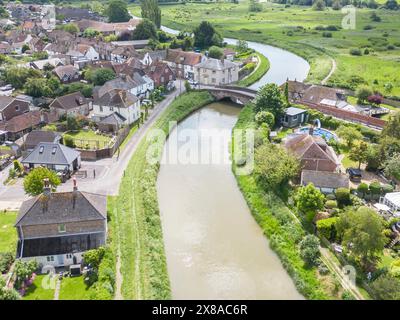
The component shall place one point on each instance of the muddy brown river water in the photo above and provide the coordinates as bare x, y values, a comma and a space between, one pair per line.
214, 247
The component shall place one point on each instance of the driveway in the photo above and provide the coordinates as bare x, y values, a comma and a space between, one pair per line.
108, 172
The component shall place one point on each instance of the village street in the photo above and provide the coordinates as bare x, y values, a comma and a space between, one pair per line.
108, 172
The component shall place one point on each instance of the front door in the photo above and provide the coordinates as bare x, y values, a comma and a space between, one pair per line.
60, 260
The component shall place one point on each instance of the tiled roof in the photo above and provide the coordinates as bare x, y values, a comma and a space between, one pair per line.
183, 57
115, 97
69, 101
324, 179
27, 120
67, 70
51, 153
216, 64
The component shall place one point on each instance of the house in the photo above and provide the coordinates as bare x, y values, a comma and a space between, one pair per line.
54, 156
67, 73
57, 228
26, 122
72, 104
327, 182
136, 44
83, 52
161, 73
216, 72
108, 101
294, 117
392, 200
122, 54
111, 123
35, 137
313, 152
109, 28
40, 64
137, 83
183, 62
229, 54
151, 57
11, 107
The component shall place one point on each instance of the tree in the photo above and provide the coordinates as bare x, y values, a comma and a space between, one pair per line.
362, 94
362, 231
336, 5
255, 6
342, 196
71, 28
392, 126
273, 166
375, 99
392, 166
359, 152
205, 35
23, 270
146, 29
151, 11
37, 87
17, 76
286, 93
90, 33
269, 98
386, 287
349, 134
25, 48
319, 5
117, 11
392, 5
215, 52
242, 46
101, 76
362, 188
72, 123
265, 117
34, 181
309, 249
94, 256
309, 200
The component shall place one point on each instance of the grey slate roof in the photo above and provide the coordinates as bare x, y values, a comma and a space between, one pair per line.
216, 64
37, 136
292, 111
114, 118
59, 208
51, 153
325, 179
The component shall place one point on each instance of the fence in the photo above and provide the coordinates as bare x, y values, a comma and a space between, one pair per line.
347, 115
106, 152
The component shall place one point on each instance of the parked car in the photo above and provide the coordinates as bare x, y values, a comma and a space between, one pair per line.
354, 174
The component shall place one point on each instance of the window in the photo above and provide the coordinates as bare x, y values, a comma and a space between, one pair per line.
213, 80
61, 228
111, 108
162, 79
294, 117
16, 108
50, 258
101, 108
54, 150
41, 149
214, 71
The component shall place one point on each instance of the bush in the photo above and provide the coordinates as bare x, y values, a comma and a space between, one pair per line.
326, 228
69, 141
387, 188
355, 52
6, 260
375, 188
331, 204
265, 117
327, 34
343, 197
309, 249
347, 295
362, 189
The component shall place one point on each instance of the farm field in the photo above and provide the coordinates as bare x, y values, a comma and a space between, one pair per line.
294, 28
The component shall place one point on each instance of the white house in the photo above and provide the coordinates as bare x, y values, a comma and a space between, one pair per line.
216, 72
107, 101
138, 84
83, 52
392, 200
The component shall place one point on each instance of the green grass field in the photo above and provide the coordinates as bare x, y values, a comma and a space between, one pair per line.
36, 291
83, 139
293, 28
73, 288
8, 234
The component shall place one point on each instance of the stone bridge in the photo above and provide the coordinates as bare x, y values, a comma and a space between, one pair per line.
237, 94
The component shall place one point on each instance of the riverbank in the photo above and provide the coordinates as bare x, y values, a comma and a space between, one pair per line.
141, 247
261, 69
279, 225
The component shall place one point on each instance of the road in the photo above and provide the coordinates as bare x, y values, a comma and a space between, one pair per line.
108, 171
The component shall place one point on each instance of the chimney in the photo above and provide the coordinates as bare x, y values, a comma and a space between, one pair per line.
74, 193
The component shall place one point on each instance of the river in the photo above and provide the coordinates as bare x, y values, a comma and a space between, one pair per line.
214, 247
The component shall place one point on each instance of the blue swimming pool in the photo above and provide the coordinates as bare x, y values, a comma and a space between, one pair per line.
320, 132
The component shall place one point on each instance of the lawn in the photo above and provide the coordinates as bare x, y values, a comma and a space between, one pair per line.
293, 28
136, 214
36, 291
73, 288
8, 234
262, 68
89, 139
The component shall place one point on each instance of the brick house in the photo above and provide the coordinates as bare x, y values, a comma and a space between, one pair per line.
313, 153
11, 107
182, 62
160, 73
57, 228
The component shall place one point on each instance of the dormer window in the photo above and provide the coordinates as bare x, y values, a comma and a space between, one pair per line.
54, 150
41, 149
61, 228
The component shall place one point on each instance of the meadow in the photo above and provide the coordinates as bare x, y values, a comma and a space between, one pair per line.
303, 31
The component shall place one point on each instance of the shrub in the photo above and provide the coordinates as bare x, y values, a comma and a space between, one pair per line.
331, 204
309, 249
6, 260
343, 196
327, 34
265, 117
362, 189
355, 52
368, 27
387, 188
326, 228
375, 188
347, 295
69, 141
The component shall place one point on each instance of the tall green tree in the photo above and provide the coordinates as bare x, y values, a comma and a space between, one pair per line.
151, 11
146, 29
205, 35
362, 231
309, 200
391, 128
269, 98
309, 249
392, 166
359, 152
117, 11
34, 181
349, 135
